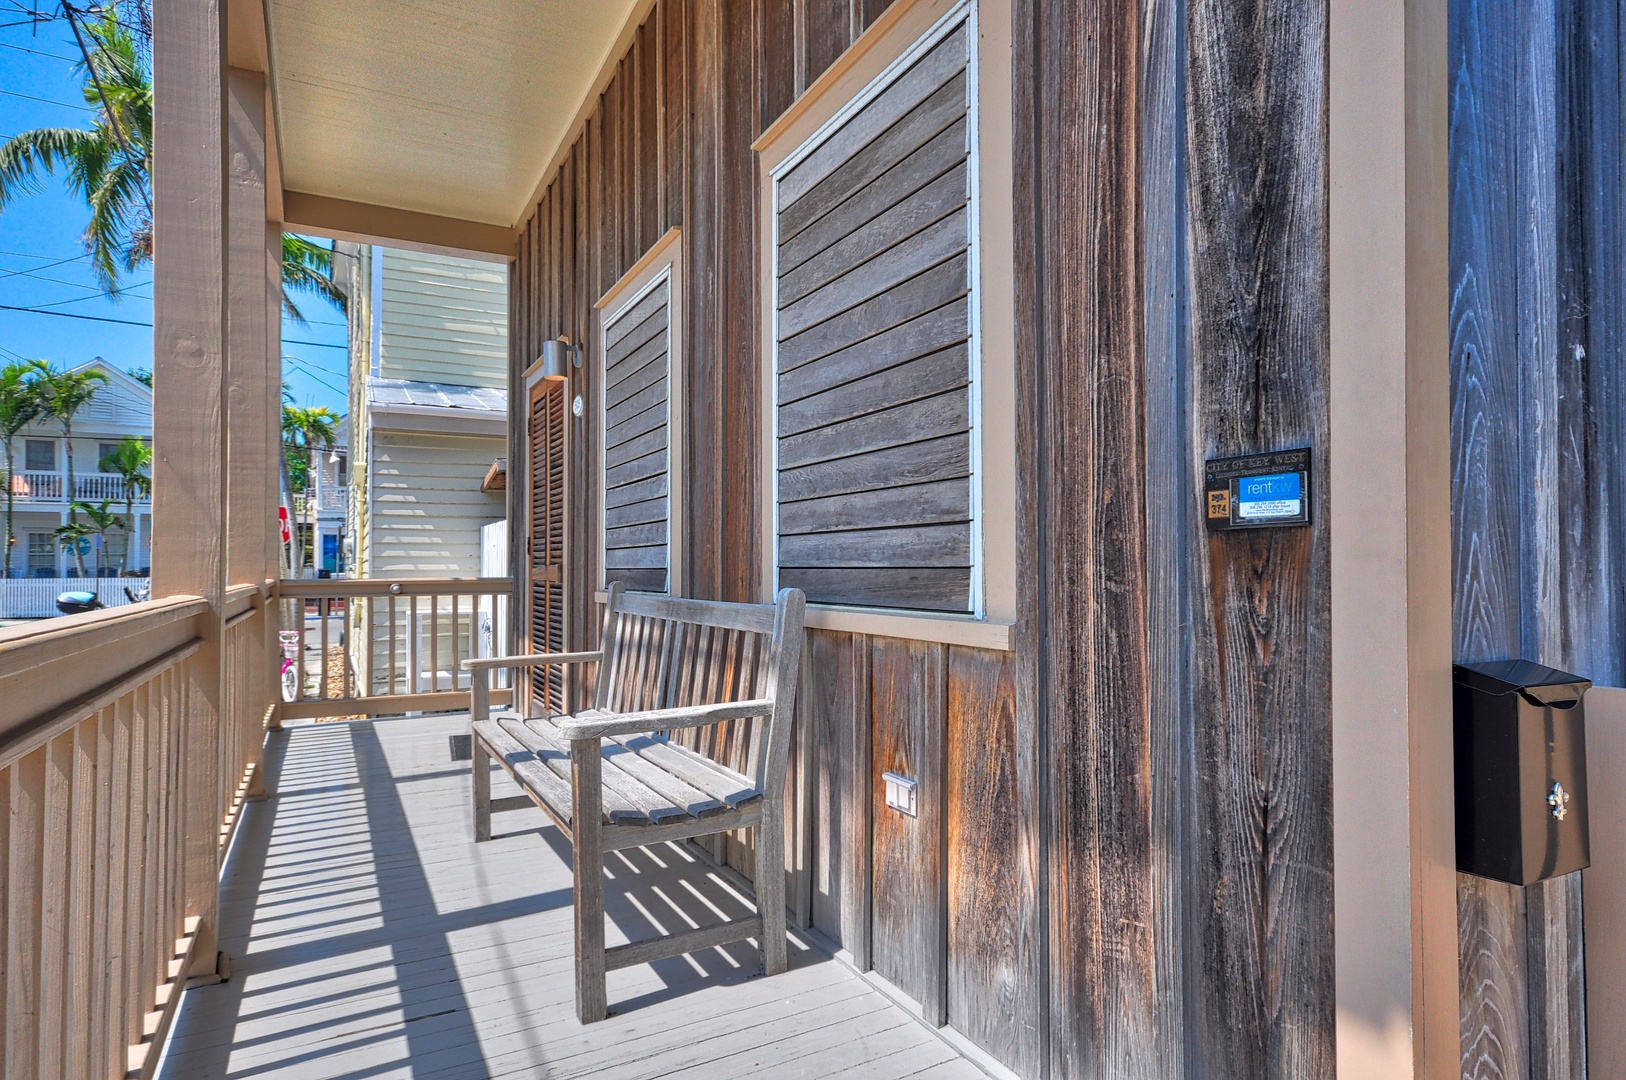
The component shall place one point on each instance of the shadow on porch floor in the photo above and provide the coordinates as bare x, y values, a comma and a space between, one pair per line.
370, 938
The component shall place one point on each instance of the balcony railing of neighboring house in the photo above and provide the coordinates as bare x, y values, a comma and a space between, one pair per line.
378, 647
113, 776
335, 498
39, 486
328, 498
88, 487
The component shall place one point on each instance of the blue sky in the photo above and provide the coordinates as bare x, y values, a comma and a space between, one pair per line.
42, 258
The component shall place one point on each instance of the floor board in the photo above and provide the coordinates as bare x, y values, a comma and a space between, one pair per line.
370, 938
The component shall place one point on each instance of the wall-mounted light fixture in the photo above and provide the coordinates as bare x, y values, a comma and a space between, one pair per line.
558, 357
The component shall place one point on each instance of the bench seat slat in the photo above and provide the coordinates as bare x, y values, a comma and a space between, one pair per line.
695, 769
626, 802
523, 766
627, 799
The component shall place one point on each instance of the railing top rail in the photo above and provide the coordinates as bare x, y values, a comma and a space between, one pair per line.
24, 647
18, 742
363, 587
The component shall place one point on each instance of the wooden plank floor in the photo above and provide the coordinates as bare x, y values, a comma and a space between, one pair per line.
371, 938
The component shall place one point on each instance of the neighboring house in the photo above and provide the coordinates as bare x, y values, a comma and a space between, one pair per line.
429, 405
324, 504
122, 406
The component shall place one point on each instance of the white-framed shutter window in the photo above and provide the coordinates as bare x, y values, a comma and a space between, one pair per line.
639, 379
875, 351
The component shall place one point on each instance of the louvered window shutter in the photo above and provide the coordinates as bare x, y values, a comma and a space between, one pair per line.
875, 365
547, 442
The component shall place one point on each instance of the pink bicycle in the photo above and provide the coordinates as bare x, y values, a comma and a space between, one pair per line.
290, 664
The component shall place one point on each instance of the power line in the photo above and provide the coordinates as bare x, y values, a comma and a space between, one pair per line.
72, 315
47, 101
31, 255
132, 322
37, 52
37, 269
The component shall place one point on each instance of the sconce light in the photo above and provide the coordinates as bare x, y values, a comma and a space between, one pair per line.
558, 357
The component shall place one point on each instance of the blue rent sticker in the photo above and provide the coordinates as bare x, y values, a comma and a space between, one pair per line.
1275, 496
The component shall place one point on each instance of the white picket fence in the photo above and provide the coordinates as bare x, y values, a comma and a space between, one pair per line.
35, 598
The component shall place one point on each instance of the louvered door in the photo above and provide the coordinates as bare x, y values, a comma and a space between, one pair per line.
546, 436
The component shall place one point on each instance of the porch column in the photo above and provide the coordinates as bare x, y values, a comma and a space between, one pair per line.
1394, 854
190, 269
252, 384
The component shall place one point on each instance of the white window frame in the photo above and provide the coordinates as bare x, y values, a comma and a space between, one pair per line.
663, 262
889, 47
29, 444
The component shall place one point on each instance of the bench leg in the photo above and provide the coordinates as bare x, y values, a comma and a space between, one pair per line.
771, 892
480, 760
586, 798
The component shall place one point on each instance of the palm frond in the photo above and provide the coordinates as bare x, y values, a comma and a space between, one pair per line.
26, 158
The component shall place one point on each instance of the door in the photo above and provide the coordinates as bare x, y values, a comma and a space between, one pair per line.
546, 438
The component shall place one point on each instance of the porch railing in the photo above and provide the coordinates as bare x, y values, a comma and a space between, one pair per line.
375, 647
120, 790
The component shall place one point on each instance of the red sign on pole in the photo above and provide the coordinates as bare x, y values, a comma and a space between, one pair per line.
282, 521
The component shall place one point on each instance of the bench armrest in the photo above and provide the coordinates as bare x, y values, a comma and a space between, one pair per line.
597, 726
492, 663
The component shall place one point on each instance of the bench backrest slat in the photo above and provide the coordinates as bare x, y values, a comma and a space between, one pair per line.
665, 652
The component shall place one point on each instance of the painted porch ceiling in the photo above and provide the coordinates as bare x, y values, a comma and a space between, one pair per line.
428, 105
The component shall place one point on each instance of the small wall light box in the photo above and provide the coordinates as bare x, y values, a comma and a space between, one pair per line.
1260, 491
558, 357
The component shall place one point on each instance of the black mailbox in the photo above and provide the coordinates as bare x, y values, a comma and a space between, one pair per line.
1521, 771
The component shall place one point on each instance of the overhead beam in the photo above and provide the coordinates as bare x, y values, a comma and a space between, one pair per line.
366, 223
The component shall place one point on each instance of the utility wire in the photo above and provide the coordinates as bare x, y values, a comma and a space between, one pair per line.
132, 322
47, 101
37, 52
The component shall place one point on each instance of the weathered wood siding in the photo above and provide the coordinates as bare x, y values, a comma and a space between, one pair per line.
1538, 291
874, 363
1122, 863
637, 442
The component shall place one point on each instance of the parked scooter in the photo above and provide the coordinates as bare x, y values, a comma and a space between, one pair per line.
75, 603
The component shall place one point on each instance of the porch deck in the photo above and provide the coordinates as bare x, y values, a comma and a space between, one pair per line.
370, 938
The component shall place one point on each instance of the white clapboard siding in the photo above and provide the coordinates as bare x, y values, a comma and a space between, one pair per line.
426, 508
637, 441
444, 320
874, 360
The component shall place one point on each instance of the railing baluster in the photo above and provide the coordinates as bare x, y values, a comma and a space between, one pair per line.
81, 951
413, 645
324, 611
434, 643
23, 922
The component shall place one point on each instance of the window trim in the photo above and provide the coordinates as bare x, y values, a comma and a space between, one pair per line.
903, 32
662, 262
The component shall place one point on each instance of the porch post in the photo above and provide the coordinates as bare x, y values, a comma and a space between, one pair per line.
1394, 856
252, 389
190, 269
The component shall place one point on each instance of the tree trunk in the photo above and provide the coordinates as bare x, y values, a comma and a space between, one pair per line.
292, 546
11, 495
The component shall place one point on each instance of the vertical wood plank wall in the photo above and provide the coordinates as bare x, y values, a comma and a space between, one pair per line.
1183, 773
1537, 293
938, 905
1259, 889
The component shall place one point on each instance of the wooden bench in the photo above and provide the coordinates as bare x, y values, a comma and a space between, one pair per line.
612, 776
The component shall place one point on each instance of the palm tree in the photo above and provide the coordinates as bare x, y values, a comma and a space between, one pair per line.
20, 405
110, 166
65, 393
99, 520
304, 431
307, 267
69, 535
131, 461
